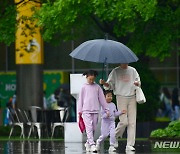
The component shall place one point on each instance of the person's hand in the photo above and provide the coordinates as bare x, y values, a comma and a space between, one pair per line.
136, 83
107, 113
101, 81
123, 111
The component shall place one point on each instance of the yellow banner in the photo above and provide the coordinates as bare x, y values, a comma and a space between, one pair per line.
28, 38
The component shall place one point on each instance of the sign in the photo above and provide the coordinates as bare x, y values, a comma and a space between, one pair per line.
76, 83
28, 38
51, 81
7, 87
167, 144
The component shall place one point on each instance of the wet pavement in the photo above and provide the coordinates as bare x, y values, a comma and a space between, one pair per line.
59, 147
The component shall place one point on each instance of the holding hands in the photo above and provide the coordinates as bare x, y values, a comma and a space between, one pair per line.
123, 112
107, 112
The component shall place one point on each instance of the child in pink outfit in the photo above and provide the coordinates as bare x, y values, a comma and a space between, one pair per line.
108, 122
90, 98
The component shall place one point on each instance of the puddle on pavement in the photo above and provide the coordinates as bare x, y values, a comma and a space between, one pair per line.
59, 147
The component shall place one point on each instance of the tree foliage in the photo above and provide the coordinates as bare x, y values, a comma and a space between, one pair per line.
7, 21
148, 27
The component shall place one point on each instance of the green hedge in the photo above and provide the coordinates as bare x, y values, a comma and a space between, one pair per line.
172, 130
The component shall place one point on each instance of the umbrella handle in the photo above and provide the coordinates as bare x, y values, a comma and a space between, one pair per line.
104, 64
102, 72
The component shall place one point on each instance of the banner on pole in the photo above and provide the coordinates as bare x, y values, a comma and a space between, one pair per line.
28, 38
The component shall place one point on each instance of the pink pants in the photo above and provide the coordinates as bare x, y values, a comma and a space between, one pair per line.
90, 120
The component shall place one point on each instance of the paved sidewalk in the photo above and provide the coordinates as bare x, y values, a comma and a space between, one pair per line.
59, 147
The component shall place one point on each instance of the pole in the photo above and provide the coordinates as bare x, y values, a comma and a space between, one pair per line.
72, 48
29, 81
29, 56
73, 62
104, 67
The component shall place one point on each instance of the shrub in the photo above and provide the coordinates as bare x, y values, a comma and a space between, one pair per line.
158, 133
172, 130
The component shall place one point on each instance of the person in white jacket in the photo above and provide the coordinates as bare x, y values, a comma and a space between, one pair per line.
123, 81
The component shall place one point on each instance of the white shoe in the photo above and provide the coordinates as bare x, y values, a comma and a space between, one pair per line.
93, 148
97, 145
88, 147
116, 143
112, 149
130, 148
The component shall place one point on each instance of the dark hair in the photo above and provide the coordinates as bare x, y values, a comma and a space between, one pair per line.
175, 94
175, 100
56, 92
90, 73
9, 104
166, 92
107, 92
175, 91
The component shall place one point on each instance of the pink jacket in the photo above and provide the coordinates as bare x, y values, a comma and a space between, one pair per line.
90, 98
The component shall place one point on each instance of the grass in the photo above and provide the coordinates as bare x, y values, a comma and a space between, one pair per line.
162, 119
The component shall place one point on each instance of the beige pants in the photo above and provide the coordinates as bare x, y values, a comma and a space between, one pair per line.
127, 120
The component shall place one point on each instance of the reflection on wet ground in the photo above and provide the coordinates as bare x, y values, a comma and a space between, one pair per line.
59, 147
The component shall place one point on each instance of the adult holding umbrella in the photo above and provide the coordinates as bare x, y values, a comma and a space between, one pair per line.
123, 81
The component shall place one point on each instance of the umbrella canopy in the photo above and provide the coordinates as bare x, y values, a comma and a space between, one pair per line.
104, 51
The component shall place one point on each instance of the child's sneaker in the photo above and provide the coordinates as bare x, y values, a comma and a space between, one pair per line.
93, 148
97, 145
112, 149
88, 147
